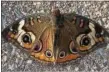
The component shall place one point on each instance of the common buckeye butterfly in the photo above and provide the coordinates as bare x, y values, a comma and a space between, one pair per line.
56, 37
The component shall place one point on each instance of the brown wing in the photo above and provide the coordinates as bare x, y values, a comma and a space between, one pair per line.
89, 33
77, 35
34, 33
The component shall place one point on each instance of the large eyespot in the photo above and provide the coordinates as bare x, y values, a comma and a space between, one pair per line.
26, 38
48, 53
85, 41
62, 54
72, 47
38, 47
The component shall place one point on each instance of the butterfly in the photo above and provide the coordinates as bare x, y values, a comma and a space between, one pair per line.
56, 37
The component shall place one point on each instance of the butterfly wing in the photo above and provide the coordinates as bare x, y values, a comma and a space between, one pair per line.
78, 36
33, 33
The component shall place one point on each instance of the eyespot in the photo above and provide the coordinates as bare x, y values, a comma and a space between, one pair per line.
72, 47
48, 53
98, 35
26, 38
62, 54
85, 41
14, 31
38, 47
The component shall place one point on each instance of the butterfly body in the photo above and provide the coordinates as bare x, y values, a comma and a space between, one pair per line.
55, 37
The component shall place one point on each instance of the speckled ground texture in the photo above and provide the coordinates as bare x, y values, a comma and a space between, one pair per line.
15, 59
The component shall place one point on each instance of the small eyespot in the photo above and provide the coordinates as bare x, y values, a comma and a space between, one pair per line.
98, 35
72, 47
48, 53
62, 54
14, 31
38, 47
26, 38
85, 40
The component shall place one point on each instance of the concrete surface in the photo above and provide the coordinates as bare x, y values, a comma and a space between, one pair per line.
15, 59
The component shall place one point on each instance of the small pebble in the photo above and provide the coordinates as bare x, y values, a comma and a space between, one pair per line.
76, 68
29, 61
